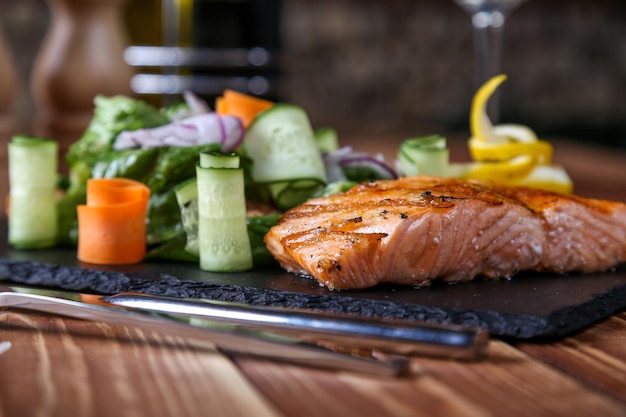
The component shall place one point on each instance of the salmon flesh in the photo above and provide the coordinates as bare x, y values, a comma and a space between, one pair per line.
414, 230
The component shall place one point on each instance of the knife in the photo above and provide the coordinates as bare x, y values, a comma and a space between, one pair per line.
343, 342
398, 337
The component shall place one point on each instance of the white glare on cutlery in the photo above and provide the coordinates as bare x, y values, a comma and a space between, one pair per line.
4, 346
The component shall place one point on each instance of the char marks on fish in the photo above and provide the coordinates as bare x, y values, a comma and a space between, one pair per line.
414, 230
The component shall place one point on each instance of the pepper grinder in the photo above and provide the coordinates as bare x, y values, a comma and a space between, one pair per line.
81, 56
8, 84
8, 95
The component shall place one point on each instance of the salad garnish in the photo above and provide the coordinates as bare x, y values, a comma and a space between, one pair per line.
111, 224
506, 153
282, 161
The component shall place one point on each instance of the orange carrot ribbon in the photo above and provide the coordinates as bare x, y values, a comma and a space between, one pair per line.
244, 106
112, 225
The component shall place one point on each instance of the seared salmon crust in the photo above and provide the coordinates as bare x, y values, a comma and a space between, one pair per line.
414, 230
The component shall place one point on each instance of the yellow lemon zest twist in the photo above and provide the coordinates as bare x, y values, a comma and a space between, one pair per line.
510, 153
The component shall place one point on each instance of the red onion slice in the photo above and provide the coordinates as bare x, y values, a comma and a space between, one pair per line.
196, 104
345, 156
383, 170
234, 133
202, 129
332, 164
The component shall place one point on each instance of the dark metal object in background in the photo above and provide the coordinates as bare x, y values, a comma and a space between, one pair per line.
208, 46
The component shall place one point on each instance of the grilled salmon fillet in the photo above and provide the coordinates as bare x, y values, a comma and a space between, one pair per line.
414, 230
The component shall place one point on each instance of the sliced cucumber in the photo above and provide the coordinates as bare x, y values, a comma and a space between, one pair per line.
288, 194
282, 147
218, 160
32, 182
426, 155
257, 226
326, 139
187, 197
224, 245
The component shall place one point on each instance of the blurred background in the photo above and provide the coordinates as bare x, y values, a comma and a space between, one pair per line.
366, 67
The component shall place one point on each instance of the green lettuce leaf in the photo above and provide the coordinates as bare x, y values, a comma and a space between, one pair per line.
112, 115
161, 168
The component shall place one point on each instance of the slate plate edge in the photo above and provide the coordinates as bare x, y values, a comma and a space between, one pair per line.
504, 325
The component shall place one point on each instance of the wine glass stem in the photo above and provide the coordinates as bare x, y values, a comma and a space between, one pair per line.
488, 28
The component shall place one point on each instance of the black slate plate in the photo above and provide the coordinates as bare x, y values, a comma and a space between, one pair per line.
529, 306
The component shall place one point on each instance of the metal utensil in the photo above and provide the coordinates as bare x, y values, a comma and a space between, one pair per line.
4, 346
229, 339
397, 337
347, 343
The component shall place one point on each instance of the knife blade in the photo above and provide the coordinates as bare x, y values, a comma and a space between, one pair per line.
229, 339
301, 337
397, 337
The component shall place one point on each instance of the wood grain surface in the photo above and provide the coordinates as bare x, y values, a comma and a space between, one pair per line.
74, 367
61, 367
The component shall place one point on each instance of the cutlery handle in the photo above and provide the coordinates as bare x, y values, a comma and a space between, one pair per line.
396, 337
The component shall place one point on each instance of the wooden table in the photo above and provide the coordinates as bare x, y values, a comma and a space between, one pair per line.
65, 367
